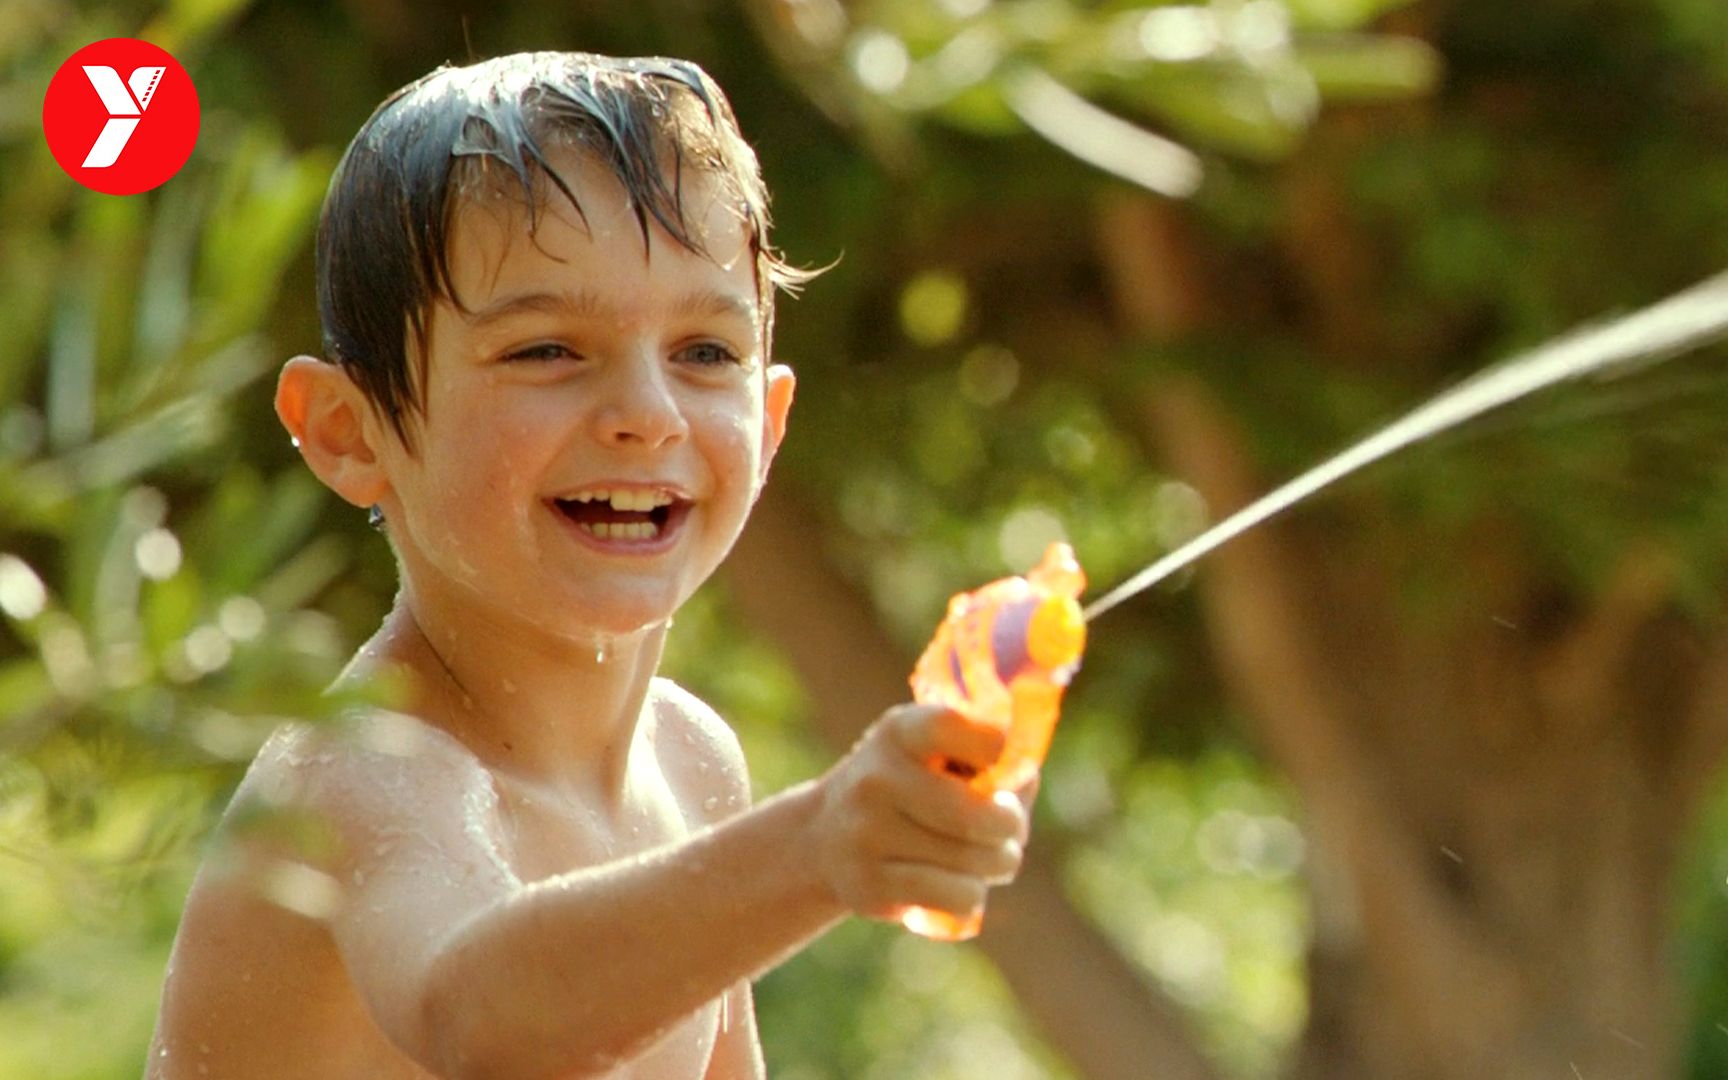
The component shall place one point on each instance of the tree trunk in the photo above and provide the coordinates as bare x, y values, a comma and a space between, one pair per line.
1493, 794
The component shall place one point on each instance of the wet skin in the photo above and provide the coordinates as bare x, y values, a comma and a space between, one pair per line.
587, 374
259, 989
546, 864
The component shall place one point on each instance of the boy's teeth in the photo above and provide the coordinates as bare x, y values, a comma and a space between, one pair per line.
640, 501
622, 530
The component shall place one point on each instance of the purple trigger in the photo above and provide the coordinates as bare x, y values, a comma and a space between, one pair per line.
1008, 638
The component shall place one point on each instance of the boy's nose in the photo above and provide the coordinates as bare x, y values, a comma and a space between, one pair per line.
640, 407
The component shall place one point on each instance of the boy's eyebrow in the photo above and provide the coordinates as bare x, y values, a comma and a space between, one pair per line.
588, 304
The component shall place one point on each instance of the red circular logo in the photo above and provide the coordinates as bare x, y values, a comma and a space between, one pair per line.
121, 116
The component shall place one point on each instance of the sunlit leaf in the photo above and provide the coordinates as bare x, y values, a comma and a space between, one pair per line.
1384, 68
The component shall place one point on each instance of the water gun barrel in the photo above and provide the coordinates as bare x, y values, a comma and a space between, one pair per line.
1003, 656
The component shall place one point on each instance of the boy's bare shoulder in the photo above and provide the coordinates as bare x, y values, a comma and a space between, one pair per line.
691, 736
361, 784
366, 760
326, 818
361, 738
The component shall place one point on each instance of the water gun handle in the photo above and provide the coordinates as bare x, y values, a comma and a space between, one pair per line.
1002, 657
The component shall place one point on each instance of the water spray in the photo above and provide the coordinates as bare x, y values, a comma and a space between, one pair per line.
1006, 652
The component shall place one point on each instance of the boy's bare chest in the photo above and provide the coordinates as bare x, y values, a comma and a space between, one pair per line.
548, 832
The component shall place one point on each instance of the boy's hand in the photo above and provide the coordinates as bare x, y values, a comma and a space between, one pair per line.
894, 829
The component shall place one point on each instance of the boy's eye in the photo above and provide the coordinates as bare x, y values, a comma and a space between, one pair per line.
549, 350
709, 354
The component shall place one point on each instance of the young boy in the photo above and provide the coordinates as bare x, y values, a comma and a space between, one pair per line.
547, 291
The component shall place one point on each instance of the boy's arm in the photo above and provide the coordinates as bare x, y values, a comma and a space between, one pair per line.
472, 973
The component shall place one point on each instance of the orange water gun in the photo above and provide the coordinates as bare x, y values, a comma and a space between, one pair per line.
1002, 657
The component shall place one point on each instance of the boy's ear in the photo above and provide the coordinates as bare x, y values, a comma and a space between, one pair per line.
334, 427
776, 405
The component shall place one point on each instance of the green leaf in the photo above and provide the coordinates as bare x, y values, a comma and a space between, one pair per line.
24, 687
1339, 14
1361, 68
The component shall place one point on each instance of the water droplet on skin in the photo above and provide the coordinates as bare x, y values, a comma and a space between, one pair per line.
294, 442
702, 767
711, 803
509, 687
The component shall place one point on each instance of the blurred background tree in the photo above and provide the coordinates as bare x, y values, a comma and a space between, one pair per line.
1420, 783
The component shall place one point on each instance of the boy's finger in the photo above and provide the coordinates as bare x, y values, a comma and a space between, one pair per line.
1020, 802
994, 863
930, 732
959, 812
917, 885
1024, 795
1027, 793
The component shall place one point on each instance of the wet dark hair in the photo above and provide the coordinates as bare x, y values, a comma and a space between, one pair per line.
388, 218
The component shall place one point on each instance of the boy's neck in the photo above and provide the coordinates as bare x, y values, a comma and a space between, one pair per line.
547, 712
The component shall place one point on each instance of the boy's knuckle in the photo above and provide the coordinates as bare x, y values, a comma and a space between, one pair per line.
875, 790
1005, 862
1004, 822
904, 719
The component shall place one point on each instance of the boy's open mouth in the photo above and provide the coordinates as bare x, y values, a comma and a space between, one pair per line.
637, 515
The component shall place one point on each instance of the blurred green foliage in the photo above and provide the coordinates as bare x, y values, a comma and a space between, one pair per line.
172, 582
156, 588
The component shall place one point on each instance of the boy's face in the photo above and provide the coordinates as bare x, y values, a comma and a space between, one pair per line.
598, 424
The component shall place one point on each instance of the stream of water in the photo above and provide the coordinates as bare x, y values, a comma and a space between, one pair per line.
1685, 321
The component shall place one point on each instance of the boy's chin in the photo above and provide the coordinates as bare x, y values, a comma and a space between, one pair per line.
606, 631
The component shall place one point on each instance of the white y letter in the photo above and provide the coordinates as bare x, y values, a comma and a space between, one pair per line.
123, 111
